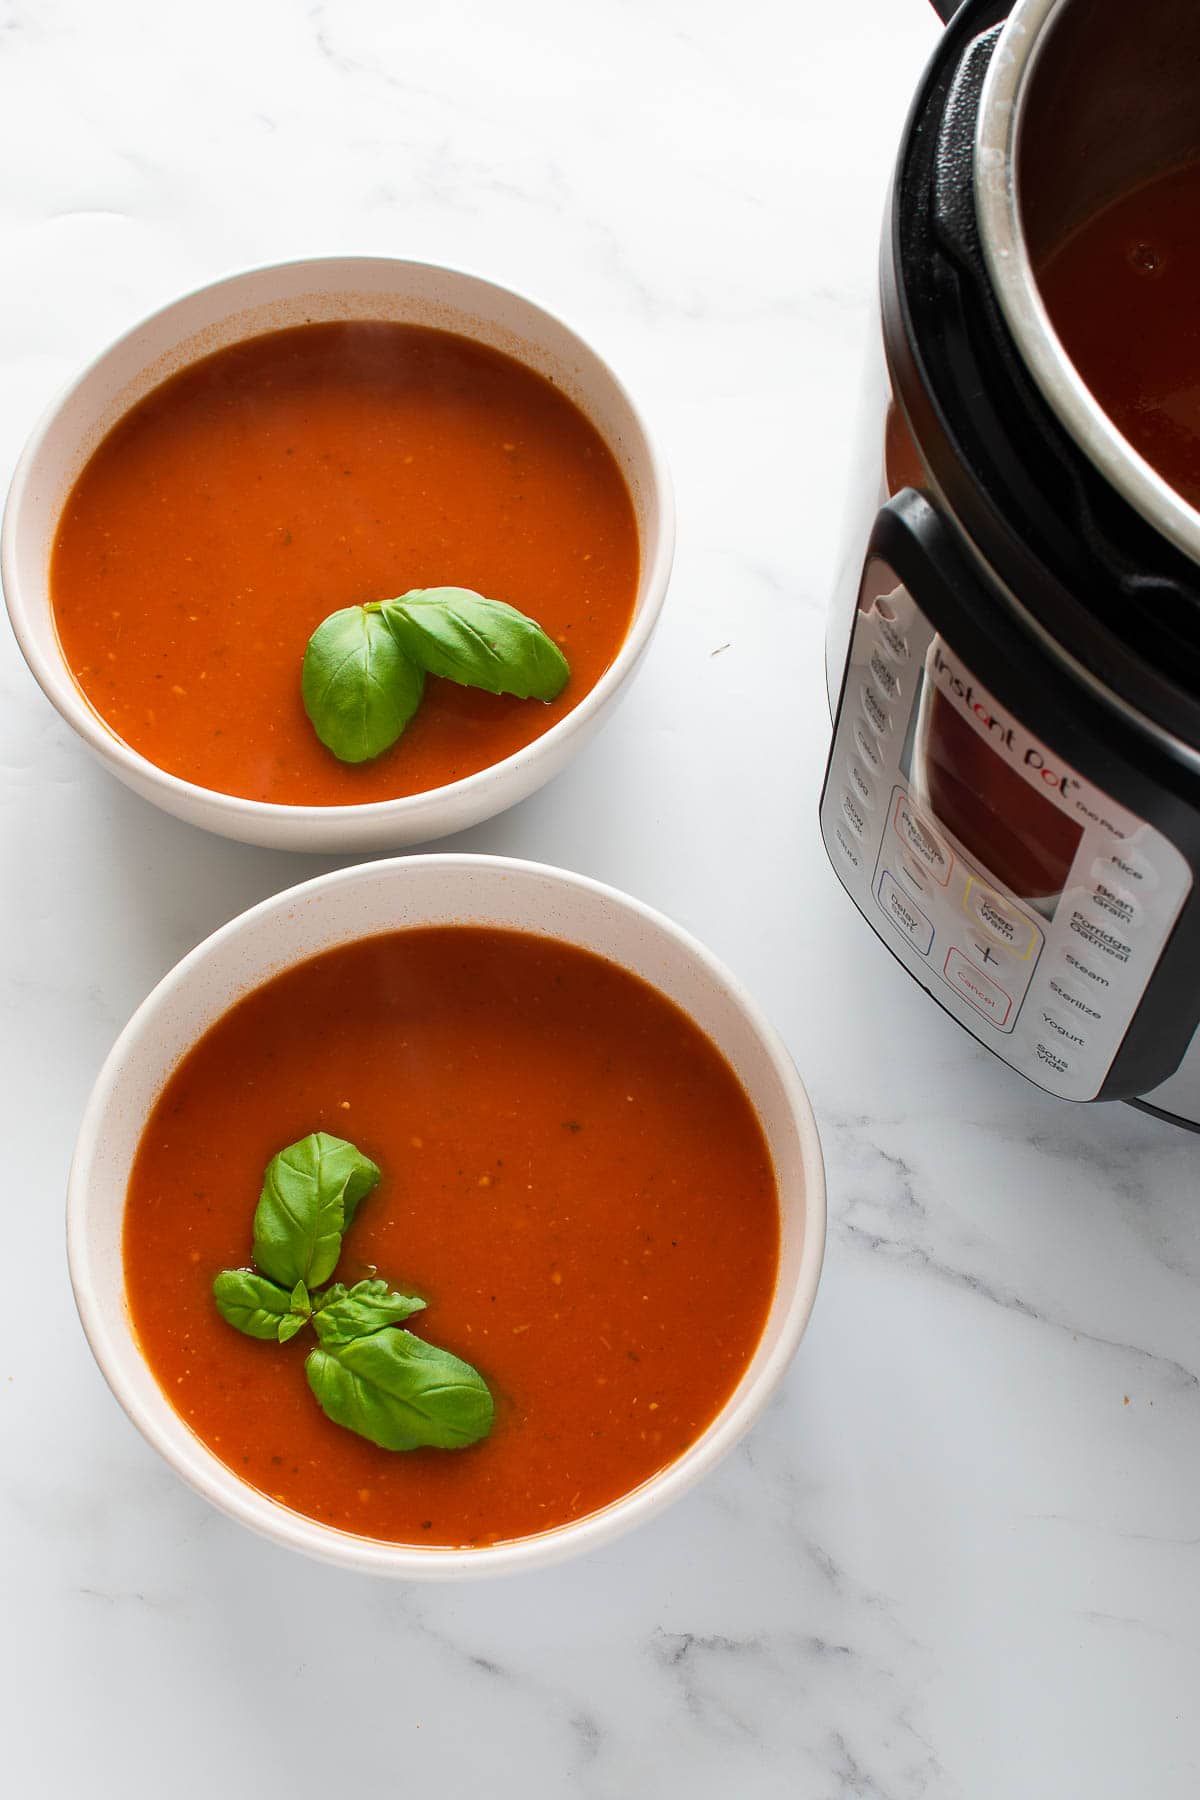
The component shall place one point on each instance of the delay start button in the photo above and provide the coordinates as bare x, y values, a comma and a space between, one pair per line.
904, 913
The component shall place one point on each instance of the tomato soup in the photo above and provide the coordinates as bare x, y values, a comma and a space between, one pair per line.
1123, 293
573, 1178
283, 478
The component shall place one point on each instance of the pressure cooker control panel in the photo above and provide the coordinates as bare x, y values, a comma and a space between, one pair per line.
1030, 904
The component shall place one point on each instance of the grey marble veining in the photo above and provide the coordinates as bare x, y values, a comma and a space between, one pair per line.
960, 1556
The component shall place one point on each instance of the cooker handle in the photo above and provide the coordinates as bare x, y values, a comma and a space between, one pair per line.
910, 536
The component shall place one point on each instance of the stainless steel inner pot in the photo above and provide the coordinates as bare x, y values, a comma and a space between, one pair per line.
1083, 100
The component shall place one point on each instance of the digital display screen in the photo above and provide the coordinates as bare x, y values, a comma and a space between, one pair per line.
1015, 833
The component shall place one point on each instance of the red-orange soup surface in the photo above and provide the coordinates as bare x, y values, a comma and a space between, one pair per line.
573, 1178
279, 479
1122, 293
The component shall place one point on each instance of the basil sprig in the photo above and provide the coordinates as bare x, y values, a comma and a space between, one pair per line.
400, 1392
359, 687
309, 1196
366, 1374
364, 669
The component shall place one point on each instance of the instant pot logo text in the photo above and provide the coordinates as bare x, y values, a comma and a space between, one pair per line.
997, 729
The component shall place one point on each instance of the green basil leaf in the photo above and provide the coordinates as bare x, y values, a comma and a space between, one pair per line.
343, 1313
476, 642
290, 1326
310, 1193
359, 687
400, 1392
301, 1305
251, 1302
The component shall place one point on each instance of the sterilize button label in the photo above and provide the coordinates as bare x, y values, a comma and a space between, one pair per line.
1076, 1002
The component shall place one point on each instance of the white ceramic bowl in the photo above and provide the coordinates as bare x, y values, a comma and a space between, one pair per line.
359, 902
268, 299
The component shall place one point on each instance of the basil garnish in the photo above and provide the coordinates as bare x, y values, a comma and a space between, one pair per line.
400, 1392
365, 666
358, 686
255, 1305
343, 1313
309, 1196
382, 1382
478, 643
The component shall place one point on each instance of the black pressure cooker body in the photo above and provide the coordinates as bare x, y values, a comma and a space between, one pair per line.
1012, 797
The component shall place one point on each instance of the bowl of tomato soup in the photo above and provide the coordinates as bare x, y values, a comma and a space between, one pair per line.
312, 437
595, 1165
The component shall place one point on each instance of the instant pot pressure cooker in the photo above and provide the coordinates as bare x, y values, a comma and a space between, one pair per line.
1013, 791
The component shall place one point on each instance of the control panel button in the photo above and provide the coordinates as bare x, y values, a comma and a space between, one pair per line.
1091, 979
1052, 1056
1129, 867
1100, 937
842, 839
861, 783
922, 841
968, 979
913, 877
999, 918
987, 952
1059, 1030
875, 711
867, 748
892, 638
885, 675
1116, 903
853, 815
1071, 1002
905, 914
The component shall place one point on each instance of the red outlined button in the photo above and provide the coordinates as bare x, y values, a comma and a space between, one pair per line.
922, 841
968, 979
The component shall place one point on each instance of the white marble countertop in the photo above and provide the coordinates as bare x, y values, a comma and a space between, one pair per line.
960, 1555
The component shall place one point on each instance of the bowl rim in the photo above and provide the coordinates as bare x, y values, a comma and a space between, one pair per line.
296, 1530
53, 674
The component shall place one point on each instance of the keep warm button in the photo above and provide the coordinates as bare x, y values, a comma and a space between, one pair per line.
967, 979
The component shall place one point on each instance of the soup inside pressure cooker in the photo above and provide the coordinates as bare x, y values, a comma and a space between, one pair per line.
1123, 293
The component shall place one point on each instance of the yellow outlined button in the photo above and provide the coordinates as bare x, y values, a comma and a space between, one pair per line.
1002, 922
